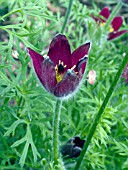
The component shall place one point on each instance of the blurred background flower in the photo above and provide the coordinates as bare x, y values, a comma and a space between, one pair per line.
73, 147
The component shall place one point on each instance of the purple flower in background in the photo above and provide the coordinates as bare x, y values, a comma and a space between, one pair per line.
60, 73
125, 2
125, 74
116, 23
73, 147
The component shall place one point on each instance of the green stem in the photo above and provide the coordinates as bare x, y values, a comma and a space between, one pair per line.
101, 111
56, 131
116, 9
67, 16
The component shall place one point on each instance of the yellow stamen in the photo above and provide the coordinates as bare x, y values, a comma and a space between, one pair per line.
102, 24
59, 76
111, 29
56, 68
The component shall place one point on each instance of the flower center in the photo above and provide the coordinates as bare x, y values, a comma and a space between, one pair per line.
102, 24
60, 69
111, 29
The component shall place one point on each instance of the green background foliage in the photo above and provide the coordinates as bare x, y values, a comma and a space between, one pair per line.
26, 109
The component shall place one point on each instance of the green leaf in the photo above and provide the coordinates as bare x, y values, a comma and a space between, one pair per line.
12, 128
35, 152
24, 154
18, 142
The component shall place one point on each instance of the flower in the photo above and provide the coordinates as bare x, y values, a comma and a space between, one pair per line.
73, 147
61, 71
91, 77
125, 74
115, 24
125, 2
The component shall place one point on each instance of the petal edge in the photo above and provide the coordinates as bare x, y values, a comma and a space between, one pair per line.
105, 12
48, 75
115, 35
68, 84
37, 59
117, 23
80, 53
60, 50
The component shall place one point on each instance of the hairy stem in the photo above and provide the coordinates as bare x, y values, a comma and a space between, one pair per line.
56, 131
67, 16
101, 111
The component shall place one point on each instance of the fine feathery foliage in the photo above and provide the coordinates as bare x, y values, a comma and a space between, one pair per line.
27, 109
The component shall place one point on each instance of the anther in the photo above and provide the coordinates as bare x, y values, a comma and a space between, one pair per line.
60, 70
73, 67
111, 29
102, 24
56, 67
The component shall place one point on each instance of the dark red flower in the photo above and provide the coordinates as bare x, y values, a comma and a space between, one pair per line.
60, 73
73, 147
116, 23
125, 74
125, 2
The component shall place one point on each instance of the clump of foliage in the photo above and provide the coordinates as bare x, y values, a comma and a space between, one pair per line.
26, 109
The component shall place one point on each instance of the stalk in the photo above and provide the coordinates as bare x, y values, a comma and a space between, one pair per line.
101, 111
56, 131
56, 120
67, 16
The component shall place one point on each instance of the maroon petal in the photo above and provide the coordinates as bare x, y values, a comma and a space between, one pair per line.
78, 142
44, 69
68, 85
114, 35
37, 59
117, 22
48, 75
105, 12
60, 50
80, 53
81, 65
